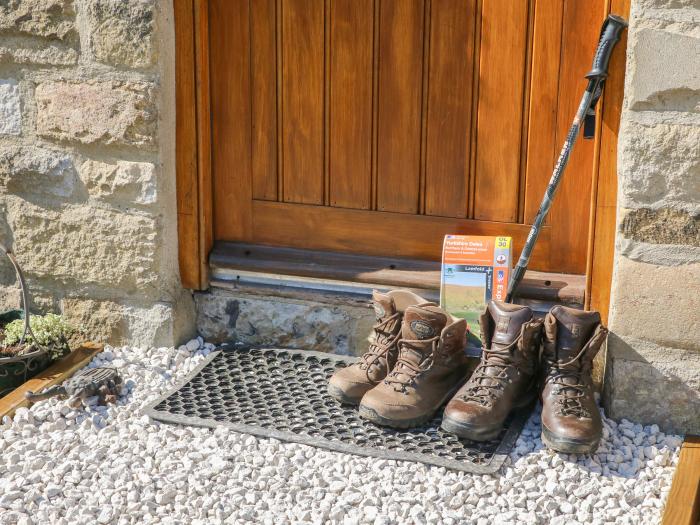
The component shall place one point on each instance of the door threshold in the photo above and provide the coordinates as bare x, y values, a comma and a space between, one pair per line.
233, 263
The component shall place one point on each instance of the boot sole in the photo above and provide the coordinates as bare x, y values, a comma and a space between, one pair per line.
482, 432
340, 396
567, 445
471, 432
371, 415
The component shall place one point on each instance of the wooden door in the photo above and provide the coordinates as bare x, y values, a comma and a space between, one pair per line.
378, 126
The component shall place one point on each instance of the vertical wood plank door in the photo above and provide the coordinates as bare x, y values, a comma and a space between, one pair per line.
379, 126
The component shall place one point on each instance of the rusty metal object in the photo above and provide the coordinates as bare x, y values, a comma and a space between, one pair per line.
25, 297
103, 382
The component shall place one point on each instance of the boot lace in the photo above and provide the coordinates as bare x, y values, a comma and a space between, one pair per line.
382, 341
569, 396
483, 392
405, 372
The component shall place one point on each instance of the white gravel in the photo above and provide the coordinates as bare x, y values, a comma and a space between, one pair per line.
113, 465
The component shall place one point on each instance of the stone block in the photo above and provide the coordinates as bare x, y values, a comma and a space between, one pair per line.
82, 246
7, 272
121, 33
46, 18
99, 321
294, 323
667, 4
662, 226
656, 303
160, 324
660, 165
10, 298
111, 112
32, 169
661, 254
129, 182
664, 76
51, 55
648, 383
10, 110
121, 322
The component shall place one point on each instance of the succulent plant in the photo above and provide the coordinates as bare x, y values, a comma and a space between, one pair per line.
50, 331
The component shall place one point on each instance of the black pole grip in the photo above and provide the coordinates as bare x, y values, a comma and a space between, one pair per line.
609, 36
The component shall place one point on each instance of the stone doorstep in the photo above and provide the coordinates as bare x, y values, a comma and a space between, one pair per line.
285, 316
328, 316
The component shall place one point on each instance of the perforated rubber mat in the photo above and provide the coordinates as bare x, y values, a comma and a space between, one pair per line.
282, 394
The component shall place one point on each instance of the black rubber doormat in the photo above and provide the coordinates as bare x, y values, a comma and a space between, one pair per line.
282, 394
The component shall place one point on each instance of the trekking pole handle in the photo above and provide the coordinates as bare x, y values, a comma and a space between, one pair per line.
609, 36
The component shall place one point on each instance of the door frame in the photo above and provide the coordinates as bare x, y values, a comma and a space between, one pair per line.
193, 142
193, 163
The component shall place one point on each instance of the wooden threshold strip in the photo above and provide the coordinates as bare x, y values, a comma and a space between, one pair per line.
683, 504
228, 257
53, 375
375, 233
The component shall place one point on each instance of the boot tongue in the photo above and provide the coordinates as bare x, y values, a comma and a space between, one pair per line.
423, 322
507, 322
574, 329
420, 325
384, 305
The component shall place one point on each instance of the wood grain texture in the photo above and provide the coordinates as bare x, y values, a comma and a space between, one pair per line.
204, 172
473, 125
449, 107
570, 211
399, 105
351, 81
53, 375
427, 8
264, 98
525, 122
376, 233
683, 503
230, 115
503, 37
375, 98
603, 224
303, 101
542, 148
186, 145
326, 101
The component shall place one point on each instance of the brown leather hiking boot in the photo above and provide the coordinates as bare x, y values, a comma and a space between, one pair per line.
431, 365
570, 418
506, 377
349, 384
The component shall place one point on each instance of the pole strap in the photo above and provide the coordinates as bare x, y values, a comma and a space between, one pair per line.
589, 119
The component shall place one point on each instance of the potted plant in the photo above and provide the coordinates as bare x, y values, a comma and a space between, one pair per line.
28, 344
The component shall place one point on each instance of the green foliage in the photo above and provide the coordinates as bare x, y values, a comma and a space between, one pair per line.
50, 331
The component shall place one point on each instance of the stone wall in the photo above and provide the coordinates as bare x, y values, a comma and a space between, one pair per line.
87, 167
653, 372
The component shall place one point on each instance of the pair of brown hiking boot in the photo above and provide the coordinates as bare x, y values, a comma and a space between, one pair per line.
523, 356
415, 362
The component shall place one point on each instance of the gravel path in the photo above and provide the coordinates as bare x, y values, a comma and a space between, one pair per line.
113, 465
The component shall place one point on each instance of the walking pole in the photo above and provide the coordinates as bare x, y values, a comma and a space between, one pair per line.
609, 36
